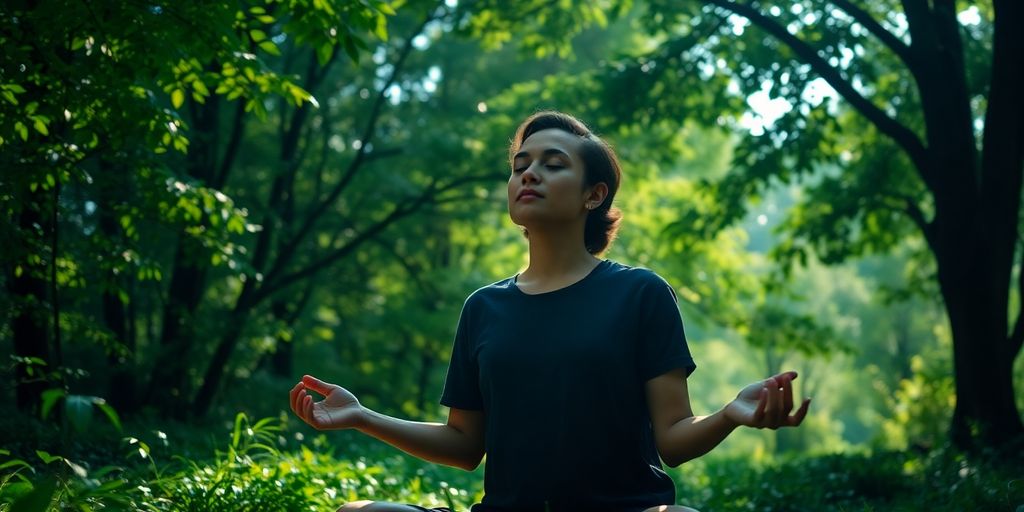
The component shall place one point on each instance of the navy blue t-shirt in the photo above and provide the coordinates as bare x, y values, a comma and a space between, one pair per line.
560, 377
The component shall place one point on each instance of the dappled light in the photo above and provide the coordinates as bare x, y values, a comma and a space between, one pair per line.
207, 204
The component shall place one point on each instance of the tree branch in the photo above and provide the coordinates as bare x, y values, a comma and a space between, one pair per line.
234, 142
901, 49
401, 210
357, 161
902, 135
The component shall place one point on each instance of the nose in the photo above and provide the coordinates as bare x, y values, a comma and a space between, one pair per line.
530, 175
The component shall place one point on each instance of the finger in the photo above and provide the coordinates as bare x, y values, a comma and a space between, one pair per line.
307, 409
791, 375
787, 395
317, 385
293, 397
300, 397
798, 418
771, 409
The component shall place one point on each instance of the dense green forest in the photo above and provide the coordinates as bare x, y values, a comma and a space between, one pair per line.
204, 201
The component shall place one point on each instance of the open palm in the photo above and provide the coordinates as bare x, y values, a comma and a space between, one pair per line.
339, 409
767, 404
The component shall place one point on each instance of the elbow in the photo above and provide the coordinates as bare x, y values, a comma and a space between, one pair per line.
673, 460
471, 463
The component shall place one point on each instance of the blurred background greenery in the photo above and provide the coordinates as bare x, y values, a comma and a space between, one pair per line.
202, 202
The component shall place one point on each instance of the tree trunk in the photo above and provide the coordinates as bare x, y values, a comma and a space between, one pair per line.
219, 361
122, 385
29, 324
168, 388
985, 413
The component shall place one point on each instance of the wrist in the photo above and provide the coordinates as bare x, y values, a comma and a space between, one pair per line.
727, 417
362, 419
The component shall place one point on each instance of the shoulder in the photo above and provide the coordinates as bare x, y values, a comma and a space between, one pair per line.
498, 291
637, 276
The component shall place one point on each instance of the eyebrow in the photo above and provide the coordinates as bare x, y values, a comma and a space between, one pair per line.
546, 152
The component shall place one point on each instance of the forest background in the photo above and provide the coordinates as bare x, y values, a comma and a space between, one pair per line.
202, 202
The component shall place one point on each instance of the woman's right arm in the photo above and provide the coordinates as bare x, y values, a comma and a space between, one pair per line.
459, 443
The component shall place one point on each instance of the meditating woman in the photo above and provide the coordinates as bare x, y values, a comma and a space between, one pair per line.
570, 376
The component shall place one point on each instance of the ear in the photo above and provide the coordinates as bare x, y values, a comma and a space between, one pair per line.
596, 194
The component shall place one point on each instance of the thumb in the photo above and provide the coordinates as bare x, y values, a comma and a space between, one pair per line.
317, 385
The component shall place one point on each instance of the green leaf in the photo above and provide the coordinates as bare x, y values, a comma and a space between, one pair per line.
79, 411
109, 411
22, 130
39, 499
18, 463
257, 35
381, 30
236, 433
40, 125
49, 399
177, 98
269, 47
350, 48
323, 53
46, 457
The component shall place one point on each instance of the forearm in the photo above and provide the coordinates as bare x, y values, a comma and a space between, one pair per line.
691, 437
434, 442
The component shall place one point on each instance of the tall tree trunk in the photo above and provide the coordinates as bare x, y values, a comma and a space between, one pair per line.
979, 264
168, 387
220, 358
122, 383
985, 413
29, 323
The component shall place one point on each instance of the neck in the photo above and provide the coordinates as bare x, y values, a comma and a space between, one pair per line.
555, 254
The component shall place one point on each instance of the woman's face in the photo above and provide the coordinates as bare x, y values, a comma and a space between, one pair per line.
546, 184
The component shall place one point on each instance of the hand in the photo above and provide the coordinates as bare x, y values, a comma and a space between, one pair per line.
767, 404
339, 409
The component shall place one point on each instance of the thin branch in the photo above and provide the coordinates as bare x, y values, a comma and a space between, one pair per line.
901, 49
234, 142
903, 136
380, 154
402, 209
429, 292
357, 161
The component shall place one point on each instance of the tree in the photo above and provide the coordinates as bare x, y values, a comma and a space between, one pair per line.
927, 139
89, 125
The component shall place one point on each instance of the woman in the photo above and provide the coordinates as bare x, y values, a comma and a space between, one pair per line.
570, 376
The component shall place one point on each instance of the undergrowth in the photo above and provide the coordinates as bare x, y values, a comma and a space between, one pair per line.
262, 467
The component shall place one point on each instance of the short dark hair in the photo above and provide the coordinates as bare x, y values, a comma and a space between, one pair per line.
600, 164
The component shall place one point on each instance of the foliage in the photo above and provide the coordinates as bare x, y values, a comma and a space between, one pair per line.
262, 467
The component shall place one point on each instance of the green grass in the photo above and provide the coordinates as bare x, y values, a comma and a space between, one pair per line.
264, 466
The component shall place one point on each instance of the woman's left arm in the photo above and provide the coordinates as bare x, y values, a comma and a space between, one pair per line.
681, 436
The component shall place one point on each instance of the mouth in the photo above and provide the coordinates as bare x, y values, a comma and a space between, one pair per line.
528, 193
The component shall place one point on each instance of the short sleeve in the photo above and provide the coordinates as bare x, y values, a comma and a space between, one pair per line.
662, 342
462, 385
